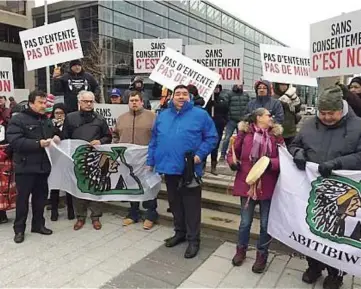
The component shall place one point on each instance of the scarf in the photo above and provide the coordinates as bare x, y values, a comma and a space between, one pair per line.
261, 144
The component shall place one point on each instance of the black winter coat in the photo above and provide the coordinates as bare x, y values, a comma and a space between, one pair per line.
86, 126
71, 84
220, 105
24, 132
237, 104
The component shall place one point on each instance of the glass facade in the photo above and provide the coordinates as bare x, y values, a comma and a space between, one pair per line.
17, 6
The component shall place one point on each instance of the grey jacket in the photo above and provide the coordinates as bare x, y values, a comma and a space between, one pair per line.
321, 143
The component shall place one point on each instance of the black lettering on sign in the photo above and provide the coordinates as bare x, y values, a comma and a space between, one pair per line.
214, 53
160, 46
341, 28
104, 112
111, 121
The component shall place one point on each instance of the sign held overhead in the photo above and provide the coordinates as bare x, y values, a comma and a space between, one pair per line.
226, 60
336, 46
286, 65
147, 52
51, 44
174, 69
6, 77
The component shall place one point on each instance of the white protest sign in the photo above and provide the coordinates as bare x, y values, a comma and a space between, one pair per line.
226, 60
6, 77
286, 65
147, 52
174, 69
336, 46
111, 112
51, 44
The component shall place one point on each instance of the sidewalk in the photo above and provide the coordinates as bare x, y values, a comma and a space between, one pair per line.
117, 257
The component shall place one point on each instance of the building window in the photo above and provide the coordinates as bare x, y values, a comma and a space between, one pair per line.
106, 29
106, 14
85, 12
248, 46
195, 42
177, 16
173, 35
214, 31
128, 8
249, 33
126, 34
239, 28
156, 7
196, 34
213, 40
257, 70
155, 19
228, 37
227, 22
238, 40
247, 67
155, 31
127, 21
248, 53
183, 4
177, 27
199, 8
10, 34
248, 60
18, 6
197, 24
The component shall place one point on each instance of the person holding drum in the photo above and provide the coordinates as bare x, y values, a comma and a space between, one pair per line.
254, 155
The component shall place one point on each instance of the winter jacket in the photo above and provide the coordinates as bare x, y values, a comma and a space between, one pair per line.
242, 147
134, 127
220, 106
177, 132
198, 101
291, 107
86, 125
71, 84
320, 143
24, 132
237, 104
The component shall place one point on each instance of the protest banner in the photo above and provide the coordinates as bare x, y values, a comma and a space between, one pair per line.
318, 217
286, 65
226, 60
51, 44
336, 46
113, 172
147, 52
6, 77
174, 69
111, 112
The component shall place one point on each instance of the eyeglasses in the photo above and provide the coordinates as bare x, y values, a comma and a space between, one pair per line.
87, 101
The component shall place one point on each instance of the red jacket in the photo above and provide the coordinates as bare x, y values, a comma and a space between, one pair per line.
242, 147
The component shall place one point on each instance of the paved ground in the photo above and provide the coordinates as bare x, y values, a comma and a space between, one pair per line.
117, 257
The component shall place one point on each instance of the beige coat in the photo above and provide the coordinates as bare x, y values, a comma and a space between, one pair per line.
135, 128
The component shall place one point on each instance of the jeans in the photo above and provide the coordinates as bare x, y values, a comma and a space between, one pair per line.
246, 223
230, 127
150, 206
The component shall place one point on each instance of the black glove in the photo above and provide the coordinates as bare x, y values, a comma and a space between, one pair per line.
300, 160
325, 169
235, 167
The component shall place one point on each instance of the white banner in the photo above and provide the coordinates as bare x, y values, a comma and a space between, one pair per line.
226, 60
147, 52
174, 69
114, 172
51, 44
286, 65
111, 112
318, 217
336, 46
6, 77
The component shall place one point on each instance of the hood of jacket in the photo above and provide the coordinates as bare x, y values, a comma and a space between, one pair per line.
275, 130
263, 99
186, 106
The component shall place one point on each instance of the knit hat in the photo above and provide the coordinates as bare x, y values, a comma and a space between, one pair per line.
331, 99
74, 62
356, 79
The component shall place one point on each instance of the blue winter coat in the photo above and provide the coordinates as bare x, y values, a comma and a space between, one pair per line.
176, 132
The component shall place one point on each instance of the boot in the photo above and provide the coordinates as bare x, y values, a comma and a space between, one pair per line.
332, 282
240, 256
54, 215
311, 276
260, 263
54, 202
70, 208
214, 168
3, 217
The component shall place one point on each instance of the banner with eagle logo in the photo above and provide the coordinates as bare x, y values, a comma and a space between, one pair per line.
113, 172
318, 217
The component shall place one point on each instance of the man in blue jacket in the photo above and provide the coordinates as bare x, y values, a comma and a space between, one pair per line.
179, 130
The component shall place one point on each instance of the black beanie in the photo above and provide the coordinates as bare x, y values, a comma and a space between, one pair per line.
74, 62
356, 79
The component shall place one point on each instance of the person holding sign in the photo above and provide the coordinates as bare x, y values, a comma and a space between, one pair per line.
182, 137
137, 84
291, 103
74, 81
352, 94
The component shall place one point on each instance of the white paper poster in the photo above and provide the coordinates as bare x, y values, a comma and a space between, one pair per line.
6, 77
111, 112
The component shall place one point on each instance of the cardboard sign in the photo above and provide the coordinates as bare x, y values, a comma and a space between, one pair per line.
174, 69
147, 52
286, 65
226, 60
51, 44
111, 112
336, 46
6, 77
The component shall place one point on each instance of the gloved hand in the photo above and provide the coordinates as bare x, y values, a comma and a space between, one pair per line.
325, 169
300, 160
235, 167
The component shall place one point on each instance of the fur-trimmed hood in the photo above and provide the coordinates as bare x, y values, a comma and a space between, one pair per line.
276, 130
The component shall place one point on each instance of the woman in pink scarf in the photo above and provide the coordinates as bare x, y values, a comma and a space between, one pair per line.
258, 136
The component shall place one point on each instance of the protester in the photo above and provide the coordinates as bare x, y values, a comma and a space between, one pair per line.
264, 99
4, 119
352, 94
237, 108
28, 133
219, 106
197, 99
182, 137
258, 136
137, 84
116, 96
332, 140
58, 116
74, 81
164, 102
291, 104
89, 126
12, 102
135, 127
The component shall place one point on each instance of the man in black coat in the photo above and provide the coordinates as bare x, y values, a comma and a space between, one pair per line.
87, 125
28, 133
74, 81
